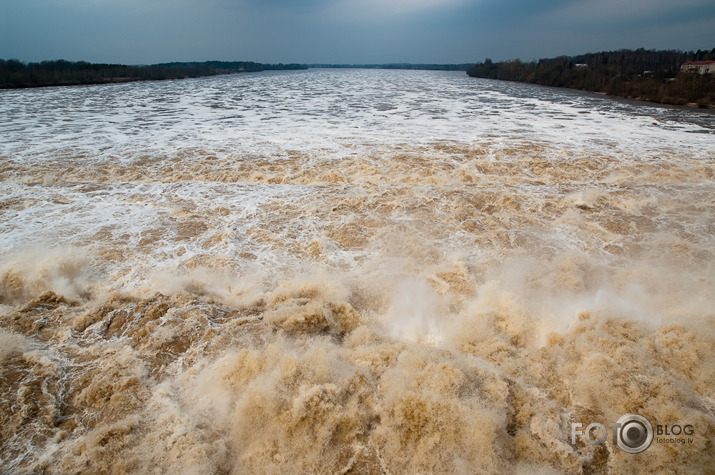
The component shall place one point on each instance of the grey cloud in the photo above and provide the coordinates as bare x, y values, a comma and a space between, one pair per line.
134, 31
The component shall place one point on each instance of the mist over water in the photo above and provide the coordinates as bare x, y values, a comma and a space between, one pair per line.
351, 271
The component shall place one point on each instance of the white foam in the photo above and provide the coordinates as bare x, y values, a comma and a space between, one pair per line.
325, 110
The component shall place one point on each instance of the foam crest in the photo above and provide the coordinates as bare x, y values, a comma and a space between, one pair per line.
30, 272
414, 313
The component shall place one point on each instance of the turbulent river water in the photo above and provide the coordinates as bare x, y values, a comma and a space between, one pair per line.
352, 271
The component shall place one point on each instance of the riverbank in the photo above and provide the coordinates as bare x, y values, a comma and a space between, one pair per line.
15, 74
653, 76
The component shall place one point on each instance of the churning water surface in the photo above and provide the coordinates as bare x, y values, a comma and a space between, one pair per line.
351, 271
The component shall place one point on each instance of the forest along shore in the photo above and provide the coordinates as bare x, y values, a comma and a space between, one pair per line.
657, 76
15, 74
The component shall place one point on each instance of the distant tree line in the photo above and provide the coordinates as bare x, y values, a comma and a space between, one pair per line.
639, 74
16, 74
428, 67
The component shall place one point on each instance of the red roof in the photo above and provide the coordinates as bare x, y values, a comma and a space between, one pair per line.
698, 63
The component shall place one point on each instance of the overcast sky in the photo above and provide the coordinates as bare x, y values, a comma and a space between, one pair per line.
345, 31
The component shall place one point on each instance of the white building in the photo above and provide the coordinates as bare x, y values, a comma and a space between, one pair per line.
701, 67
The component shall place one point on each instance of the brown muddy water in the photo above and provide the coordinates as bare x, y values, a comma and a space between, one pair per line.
352, 271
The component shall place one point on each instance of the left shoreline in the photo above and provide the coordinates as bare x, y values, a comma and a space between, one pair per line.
15, 74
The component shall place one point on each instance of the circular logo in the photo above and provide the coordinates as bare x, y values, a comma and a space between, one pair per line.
635, 433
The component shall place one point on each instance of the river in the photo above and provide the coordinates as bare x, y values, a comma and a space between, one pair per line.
352, 271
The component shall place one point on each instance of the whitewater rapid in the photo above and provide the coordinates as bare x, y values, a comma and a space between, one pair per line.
351, 271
